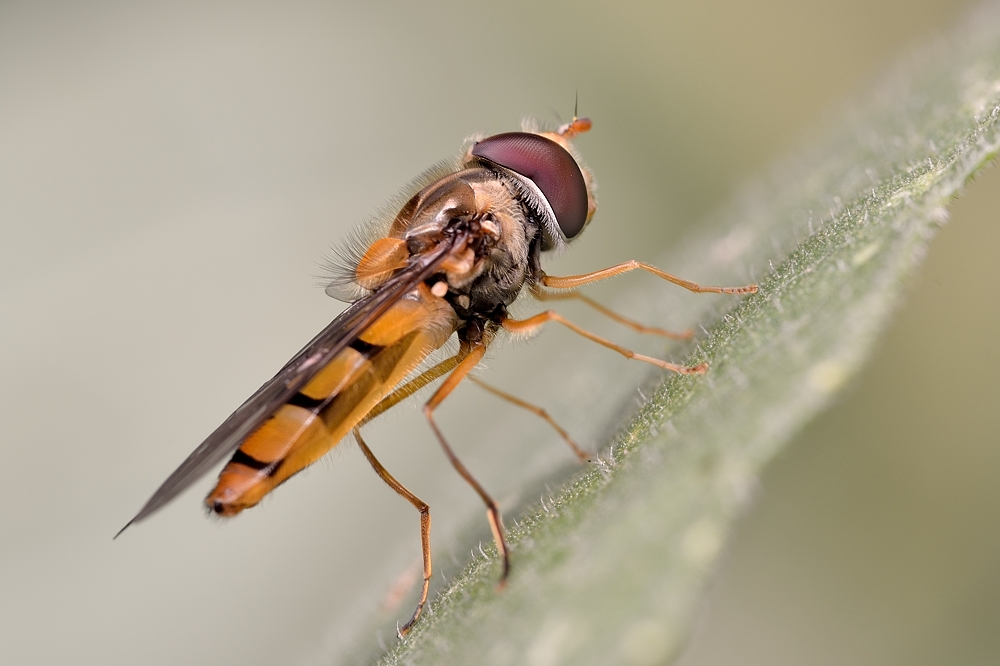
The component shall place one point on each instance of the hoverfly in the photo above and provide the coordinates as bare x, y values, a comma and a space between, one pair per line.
466, 243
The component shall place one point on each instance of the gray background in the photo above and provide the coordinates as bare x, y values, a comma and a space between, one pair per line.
171, 175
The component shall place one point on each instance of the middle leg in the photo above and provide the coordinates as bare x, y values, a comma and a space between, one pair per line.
534, 409
469, 361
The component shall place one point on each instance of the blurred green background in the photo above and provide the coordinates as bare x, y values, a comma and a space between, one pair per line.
170, 177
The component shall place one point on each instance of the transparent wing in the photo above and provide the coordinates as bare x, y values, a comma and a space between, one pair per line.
341, 332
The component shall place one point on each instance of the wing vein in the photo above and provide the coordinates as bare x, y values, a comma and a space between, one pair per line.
295, 374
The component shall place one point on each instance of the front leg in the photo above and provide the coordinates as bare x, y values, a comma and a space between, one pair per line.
531, 324
574, 281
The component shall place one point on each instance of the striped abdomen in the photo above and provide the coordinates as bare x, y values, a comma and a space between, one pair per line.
334, 401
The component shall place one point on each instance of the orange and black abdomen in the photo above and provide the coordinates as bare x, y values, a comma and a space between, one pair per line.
334, 401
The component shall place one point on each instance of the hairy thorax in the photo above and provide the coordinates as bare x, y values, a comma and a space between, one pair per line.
485, 274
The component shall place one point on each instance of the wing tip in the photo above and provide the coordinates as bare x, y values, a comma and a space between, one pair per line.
119, 533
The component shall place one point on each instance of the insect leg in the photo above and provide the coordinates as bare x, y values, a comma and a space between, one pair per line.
534, 409
425, 524
541, 295
529, 325
573, 281
471, 355
412, 386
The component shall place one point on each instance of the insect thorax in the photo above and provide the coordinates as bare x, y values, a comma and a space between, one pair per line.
485, 274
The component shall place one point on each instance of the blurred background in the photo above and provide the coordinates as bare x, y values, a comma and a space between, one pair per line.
173, 174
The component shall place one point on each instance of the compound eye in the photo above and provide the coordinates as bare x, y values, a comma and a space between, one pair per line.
549, 166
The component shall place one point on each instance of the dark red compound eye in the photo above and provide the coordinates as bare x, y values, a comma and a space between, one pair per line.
549, 166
